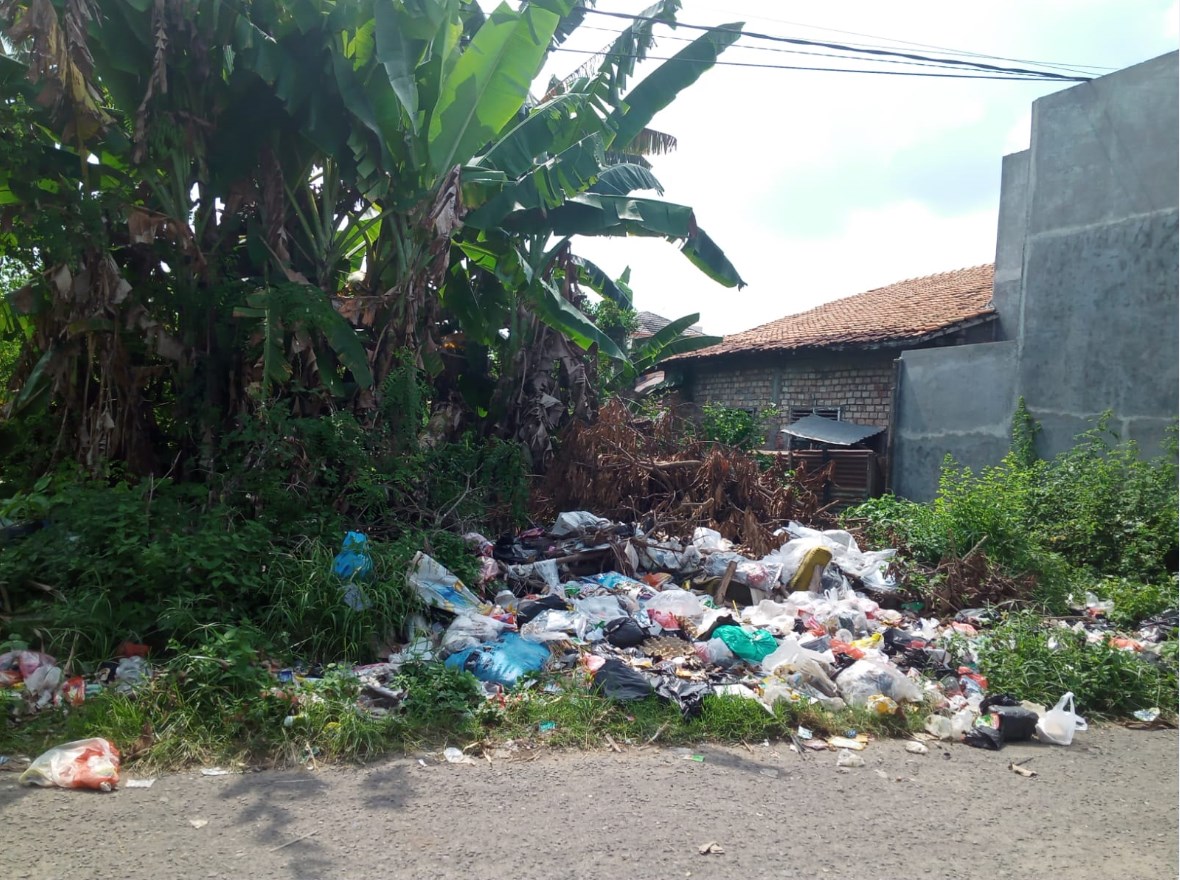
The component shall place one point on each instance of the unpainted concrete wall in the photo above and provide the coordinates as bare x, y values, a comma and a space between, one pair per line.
953, 400
1086, 287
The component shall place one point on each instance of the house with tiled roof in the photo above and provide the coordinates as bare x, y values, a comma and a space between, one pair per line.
837, 358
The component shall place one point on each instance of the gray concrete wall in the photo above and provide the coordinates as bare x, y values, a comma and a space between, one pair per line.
953, 400
1086, 287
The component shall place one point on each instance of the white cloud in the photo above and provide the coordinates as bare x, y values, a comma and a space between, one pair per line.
1172, 22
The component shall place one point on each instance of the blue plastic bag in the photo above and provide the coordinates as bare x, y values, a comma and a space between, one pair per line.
353, 564
504, 661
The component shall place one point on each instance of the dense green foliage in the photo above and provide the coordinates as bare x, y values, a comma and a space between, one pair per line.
730, 426
216, 208
1095, 517
1039, 661
158, 560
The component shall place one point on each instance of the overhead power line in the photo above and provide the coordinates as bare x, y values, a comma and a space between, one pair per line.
1076, 68
966, 74
797, 41
781, 50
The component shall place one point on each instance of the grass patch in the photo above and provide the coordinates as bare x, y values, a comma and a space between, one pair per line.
1037, 661
171, 724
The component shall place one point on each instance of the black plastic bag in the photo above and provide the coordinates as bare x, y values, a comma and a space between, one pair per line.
1017, 723
688, 695
624, 632
618, 681
530, 608
993, 700
984, 738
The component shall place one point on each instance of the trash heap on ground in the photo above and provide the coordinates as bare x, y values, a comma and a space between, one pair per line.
641, 614
636, 614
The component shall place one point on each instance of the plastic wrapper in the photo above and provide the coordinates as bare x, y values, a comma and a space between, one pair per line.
864, 678
668, 556
479, 543
543, 574
714, 652
131, 673
468, 630
504, 661
747, 572
812, 668
599, 609
555, 626
86, 763
677, 602
438, 587
24, 663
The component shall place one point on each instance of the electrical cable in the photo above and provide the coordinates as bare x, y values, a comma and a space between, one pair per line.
952, 62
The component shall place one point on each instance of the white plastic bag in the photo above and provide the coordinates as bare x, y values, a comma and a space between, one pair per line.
555, 626
468, 630
848, 557
863, 679
710, 541
1060, 723
86, 763
680, 603
575, 521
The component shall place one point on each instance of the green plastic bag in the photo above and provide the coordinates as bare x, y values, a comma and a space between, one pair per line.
752, 645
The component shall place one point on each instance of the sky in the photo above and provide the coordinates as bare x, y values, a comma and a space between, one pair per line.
824, 185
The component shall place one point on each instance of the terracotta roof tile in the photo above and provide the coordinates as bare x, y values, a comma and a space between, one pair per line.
907, 311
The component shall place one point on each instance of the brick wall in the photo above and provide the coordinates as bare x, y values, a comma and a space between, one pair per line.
860, 382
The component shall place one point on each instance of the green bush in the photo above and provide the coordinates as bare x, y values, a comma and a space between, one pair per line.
734, 427
1096, 511
1107, 509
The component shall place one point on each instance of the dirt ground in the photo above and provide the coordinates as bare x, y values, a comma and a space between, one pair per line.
1104, 807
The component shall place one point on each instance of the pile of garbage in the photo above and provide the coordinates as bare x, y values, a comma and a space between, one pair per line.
807, 622
814, 621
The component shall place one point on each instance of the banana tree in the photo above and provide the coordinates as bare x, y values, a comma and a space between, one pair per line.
224, 173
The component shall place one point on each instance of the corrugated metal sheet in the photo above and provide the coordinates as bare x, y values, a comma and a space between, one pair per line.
830, 431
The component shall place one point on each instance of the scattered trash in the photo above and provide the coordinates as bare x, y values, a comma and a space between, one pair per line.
547, 726
803, 733
917, 748
214, 771
712, 848
844, 742
198, 823
139, 783
700, 759
1147, 715
86, 763
847, 758
456, 756
1022, 771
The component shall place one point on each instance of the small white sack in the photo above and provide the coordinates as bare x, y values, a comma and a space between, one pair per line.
1060, 723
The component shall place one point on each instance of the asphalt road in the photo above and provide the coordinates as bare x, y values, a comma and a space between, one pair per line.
1105, 807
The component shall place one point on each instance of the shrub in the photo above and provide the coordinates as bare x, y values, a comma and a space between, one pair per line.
729, 426
1039, 661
